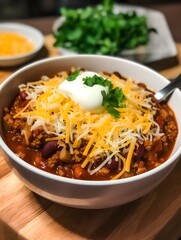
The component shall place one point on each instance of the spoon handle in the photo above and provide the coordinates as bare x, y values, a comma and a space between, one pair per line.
164, 92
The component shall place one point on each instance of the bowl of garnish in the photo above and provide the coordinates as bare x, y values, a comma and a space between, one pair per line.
124, 30
18, 43
86, 131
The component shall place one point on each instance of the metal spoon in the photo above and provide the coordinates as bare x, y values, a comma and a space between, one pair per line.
166, 91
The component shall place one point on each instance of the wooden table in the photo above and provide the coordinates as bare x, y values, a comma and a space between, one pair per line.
25, 215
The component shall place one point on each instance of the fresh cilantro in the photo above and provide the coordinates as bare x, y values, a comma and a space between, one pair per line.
99, 30
91, 81
113, 99
113, 111
73, 76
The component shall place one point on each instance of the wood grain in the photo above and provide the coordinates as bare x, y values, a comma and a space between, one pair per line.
25, 215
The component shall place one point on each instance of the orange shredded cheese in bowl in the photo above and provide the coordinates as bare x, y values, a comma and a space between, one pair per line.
105, 135
14, 44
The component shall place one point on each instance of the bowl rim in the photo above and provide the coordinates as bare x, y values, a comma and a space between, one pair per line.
15, 26
91, 183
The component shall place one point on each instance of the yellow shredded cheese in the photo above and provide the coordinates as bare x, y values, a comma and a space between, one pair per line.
13, 44
90, 143
119, 174
104, 135
130, 154
22, 110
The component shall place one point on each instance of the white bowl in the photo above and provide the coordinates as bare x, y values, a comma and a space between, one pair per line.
82, 193
31, 33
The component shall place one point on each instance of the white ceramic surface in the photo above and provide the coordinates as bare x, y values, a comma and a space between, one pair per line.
31, 33
81, 193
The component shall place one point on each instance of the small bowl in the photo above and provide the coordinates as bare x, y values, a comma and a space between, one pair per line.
31, 33
85, 193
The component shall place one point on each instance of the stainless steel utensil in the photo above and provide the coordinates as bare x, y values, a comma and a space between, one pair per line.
166, 91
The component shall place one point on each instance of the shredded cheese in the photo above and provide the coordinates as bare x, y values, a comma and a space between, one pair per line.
104, 135
130, 154
13, 44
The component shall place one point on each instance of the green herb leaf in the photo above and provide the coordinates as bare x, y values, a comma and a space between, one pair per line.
91, 81
113, 111
113, 99
73, 76
99, 30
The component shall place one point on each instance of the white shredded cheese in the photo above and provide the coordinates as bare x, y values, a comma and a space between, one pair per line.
61, 116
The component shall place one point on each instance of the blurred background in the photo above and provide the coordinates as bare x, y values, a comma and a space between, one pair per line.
19, 9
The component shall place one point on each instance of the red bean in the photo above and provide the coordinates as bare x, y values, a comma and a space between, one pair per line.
24, 103
139, 152
23, 94
119, 75
49, 149
113, 164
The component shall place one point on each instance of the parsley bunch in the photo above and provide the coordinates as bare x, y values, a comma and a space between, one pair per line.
98, 30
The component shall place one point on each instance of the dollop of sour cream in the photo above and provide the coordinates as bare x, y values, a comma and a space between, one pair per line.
88, 98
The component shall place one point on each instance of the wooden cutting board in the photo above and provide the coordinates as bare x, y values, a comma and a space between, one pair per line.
25, 215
